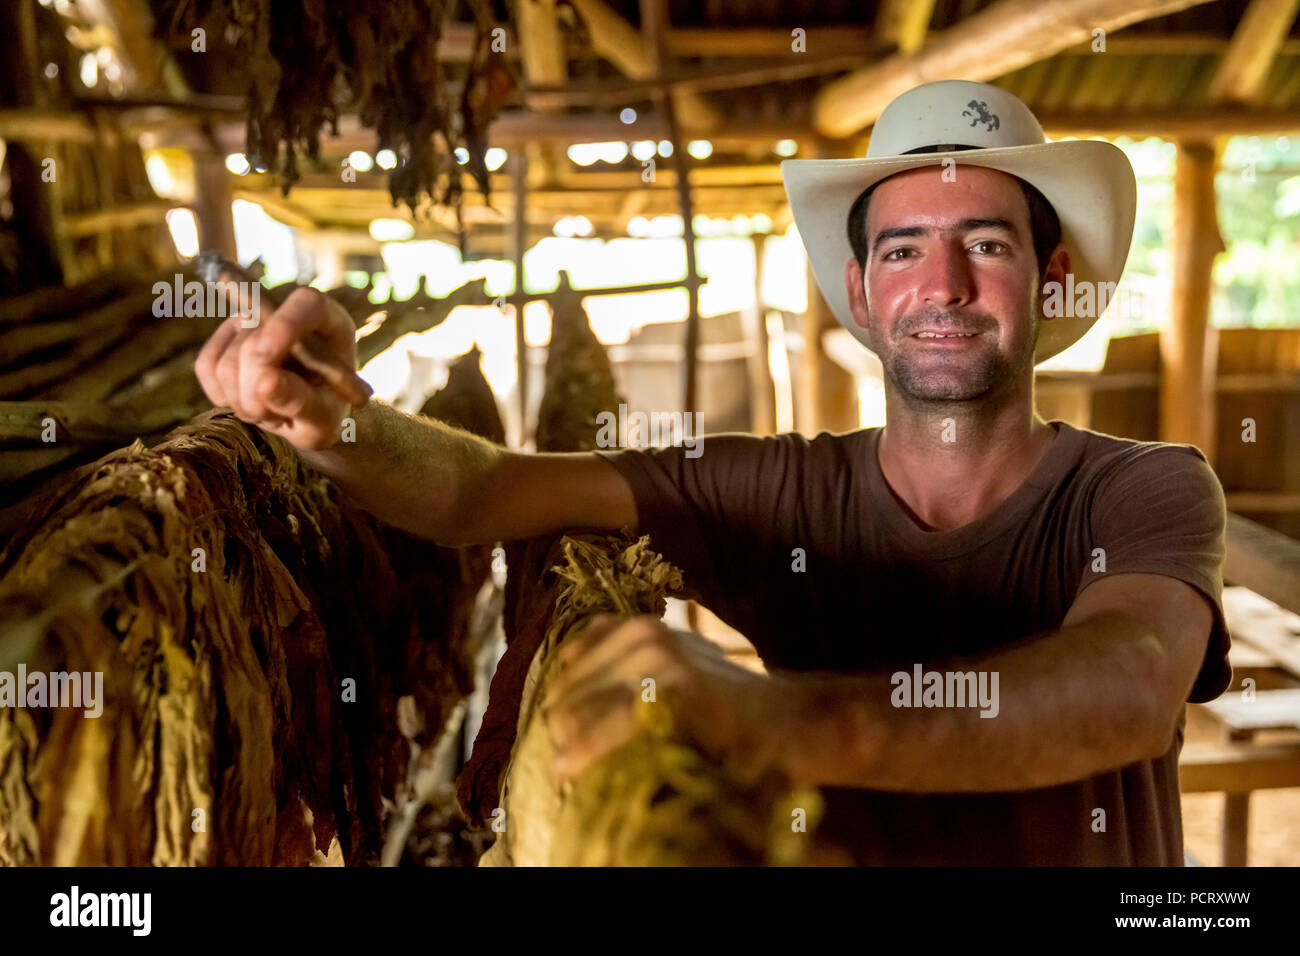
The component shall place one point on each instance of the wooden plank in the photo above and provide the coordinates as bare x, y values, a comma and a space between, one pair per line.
1238, 768
1263, 500
1265, 561
1267, 710
1000, 38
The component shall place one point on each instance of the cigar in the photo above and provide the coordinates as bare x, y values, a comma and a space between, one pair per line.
312, 354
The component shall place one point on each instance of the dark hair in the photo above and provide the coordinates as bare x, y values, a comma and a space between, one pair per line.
1044, 225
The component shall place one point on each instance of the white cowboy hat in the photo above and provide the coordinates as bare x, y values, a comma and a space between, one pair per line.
1089, 183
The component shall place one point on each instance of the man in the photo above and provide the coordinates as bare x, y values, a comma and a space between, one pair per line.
982, 627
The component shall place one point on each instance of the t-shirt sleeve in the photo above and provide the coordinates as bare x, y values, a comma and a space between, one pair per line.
1162, 511
708, 507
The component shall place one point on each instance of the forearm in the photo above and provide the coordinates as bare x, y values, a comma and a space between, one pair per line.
416, 474
1072, 704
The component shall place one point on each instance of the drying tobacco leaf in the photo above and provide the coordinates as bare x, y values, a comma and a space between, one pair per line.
310, 61
255, 631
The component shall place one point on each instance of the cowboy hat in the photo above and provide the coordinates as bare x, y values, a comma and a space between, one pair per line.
1089, 183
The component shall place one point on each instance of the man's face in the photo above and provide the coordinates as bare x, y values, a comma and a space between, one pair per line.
949, 258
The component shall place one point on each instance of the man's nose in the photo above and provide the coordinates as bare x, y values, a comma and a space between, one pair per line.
946, 277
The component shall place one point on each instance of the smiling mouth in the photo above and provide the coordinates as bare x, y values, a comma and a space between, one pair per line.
944, 335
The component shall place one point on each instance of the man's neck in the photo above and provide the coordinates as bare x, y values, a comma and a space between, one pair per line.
951, 466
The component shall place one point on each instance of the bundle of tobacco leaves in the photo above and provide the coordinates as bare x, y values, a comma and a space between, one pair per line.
657, 800
309, 61
255, 632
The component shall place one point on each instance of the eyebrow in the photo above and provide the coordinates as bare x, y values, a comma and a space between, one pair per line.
965, 225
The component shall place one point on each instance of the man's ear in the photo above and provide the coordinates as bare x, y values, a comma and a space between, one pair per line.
1058, 265
857, 294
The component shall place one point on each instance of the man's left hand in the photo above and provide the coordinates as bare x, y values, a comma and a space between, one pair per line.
590, 705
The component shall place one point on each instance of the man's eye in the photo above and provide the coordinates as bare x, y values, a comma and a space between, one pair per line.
896, 254
989, 247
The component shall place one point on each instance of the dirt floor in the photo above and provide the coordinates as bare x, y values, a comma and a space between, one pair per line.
1274, 814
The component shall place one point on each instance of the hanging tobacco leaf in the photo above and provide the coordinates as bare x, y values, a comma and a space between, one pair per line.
310, 61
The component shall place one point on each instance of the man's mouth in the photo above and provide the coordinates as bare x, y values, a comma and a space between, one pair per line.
944, 335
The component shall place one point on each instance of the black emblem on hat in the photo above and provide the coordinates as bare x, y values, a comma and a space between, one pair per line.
980, 111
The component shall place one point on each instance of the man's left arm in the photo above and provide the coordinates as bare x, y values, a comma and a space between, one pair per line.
1103, 691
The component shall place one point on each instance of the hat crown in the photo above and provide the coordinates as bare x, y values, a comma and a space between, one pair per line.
950, 113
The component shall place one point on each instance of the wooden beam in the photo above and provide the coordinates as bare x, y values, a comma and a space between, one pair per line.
904, 23
542, 46
821, 39
609, 92
1000, 38
121, 216
838, 39
1187, 341
1263, 560
622, 45
278, 207
1178, 124
1255, 43
1238, 768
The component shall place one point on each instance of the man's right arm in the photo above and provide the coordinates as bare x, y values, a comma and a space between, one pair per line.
422, 476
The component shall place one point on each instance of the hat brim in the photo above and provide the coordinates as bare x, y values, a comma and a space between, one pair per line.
1089, 183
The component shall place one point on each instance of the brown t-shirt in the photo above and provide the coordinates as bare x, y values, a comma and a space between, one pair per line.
877, 591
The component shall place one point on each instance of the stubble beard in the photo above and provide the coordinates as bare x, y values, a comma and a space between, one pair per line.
960, 375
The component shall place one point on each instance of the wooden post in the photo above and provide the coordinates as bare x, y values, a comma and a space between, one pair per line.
214, 216
1188, 352
518, 245
36, 168
828, 399
654, 21
762, 393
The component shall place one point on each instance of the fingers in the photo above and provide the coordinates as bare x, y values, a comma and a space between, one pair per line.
205, 367
303, 312
592, 728
606, 642
314, 412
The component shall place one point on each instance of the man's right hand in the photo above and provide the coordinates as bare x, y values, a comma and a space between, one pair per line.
244, 369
